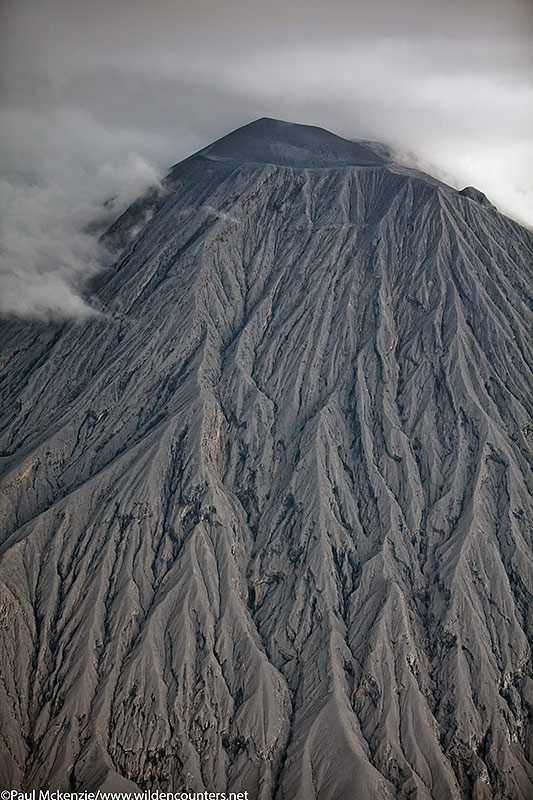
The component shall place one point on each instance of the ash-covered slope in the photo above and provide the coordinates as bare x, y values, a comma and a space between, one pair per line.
267, 518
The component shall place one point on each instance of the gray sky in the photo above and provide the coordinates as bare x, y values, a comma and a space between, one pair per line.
99, 98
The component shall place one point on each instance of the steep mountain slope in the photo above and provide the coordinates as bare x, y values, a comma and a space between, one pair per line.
267, 517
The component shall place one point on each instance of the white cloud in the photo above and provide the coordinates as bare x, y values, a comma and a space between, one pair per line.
49, 205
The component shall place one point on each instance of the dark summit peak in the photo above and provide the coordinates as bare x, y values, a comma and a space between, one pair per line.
288, 144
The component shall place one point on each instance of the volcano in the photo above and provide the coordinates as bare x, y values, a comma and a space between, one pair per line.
266, 514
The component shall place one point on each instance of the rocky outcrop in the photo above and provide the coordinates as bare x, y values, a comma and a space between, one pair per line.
267, 517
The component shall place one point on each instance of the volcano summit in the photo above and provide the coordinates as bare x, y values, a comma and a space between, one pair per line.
266, 517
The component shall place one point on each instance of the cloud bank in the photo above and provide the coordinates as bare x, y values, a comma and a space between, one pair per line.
99, 99
55, 203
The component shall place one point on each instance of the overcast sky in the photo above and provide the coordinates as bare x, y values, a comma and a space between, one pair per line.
99, 98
